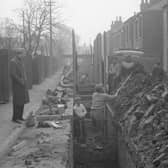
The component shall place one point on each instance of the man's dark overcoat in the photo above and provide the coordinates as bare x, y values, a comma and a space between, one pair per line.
19, 84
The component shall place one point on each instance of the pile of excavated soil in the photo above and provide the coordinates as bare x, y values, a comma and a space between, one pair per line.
141, 111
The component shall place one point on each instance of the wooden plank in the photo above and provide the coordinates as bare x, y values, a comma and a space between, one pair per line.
41, 118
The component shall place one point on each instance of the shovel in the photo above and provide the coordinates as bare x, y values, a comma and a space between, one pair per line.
123, 84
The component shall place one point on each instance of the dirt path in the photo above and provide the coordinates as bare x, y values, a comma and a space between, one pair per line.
43, 147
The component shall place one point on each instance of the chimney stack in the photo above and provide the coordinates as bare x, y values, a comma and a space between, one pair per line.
144, 5
120, 19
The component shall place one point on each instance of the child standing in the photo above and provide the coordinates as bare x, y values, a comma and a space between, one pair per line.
79, 115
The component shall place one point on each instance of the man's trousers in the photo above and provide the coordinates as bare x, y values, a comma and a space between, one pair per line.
17, 112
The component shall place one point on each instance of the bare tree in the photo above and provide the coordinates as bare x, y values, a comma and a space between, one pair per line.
35, 16
9, 36
63, 38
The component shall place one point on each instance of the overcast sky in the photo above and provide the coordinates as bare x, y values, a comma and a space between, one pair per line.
87, 17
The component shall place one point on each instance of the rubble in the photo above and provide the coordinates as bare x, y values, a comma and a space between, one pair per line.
54, 102
40, 148
46, 124
30, 122
19, 145
141, 111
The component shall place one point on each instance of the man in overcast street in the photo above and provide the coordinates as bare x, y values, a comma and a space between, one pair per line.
19, 86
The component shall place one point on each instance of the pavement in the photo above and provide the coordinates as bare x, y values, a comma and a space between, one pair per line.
9, 131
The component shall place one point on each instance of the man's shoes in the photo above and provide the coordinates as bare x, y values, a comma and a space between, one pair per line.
17, 121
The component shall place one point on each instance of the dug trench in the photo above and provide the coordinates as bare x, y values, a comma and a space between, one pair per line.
113, 151
94, 150
136, 127
91, 155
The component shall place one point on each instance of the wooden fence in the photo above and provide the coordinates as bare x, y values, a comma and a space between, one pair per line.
37, 69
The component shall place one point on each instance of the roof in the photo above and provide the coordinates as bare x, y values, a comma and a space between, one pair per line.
158, 5
135, 53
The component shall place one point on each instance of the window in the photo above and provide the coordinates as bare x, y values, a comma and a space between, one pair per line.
167, 20
140, 26
136, 29
127, 33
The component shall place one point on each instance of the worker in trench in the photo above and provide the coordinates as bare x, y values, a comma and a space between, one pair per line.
99, 100
114, 74
79, 123
19, 86
118, 70
158, 73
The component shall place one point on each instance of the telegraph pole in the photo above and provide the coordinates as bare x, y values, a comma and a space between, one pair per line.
75, 64
105, 57
50, 4
92, 57
23, 29
51, 45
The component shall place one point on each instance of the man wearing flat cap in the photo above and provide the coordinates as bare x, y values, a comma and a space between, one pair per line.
19, 86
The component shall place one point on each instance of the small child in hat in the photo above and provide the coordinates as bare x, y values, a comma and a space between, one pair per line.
79, 115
